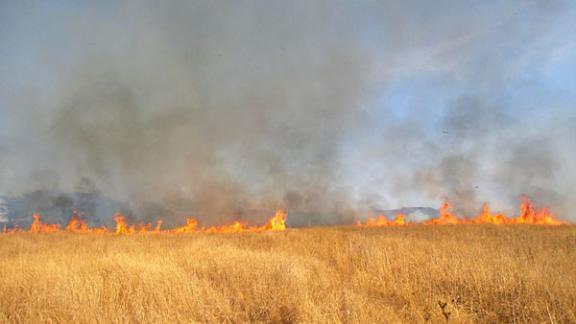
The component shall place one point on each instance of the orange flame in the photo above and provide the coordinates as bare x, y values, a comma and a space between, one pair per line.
121, 227
76, 225
382, 220
278, 222
446, 216
528, 215
37, 226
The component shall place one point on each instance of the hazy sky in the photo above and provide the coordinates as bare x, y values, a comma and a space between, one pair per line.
309, 105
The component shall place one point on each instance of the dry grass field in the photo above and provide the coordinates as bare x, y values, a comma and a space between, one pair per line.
466, 273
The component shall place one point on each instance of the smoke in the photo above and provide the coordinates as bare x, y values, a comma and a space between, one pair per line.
227, 109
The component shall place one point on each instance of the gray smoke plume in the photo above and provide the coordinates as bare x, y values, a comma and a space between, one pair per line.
227, 109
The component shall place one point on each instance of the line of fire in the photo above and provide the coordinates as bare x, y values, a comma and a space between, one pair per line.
528, 214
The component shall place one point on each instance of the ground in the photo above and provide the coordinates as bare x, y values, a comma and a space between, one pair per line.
420, 273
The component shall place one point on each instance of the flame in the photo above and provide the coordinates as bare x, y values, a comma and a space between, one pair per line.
486, 217
399, 220
278, 222
445, 216
77, 225
121, 227
191, 225
528, 215
37, 226
382, 220
275, 223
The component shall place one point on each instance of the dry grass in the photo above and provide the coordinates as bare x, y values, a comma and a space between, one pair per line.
479, 273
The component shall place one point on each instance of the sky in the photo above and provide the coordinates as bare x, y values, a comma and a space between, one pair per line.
327, 108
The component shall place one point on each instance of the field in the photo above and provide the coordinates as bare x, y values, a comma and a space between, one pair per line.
466, 273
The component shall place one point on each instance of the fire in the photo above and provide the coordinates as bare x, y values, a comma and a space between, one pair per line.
382, 220
399, 220
275, 223
77, 225
528, 215
445, 215
121, 227
278, 222
191, 225
37, 226
486, 217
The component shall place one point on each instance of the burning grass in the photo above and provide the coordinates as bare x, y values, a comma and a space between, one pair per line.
467, 273
527, 215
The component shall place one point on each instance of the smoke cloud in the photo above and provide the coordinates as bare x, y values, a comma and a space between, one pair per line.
230, 109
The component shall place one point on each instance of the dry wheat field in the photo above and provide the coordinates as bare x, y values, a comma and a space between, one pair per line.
415, 274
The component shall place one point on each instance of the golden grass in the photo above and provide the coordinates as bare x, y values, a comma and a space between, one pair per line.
480, 273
